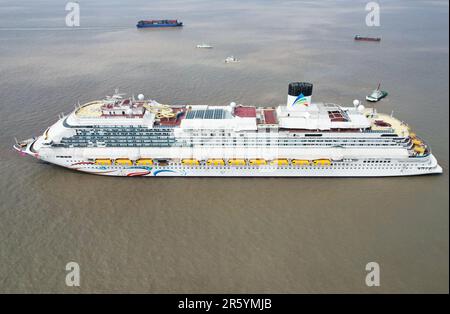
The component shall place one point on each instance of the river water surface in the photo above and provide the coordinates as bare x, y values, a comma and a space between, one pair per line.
221, 234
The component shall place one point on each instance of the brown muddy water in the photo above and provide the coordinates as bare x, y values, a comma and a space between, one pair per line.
221, 234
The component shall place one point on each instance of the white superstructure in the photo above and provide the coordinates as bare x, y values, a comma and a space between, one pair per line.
128, 137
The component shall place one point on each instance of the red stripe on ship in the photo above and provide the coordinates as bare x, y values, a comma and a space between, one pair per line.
135, 174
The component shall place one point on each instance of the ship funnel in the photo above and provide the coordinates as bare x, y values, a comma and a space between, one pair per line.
299, 95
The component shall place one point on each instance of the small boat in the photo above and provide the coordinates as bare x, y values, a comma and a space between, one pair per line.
366, 38
205, 46
376, 95
231, 60
159, 23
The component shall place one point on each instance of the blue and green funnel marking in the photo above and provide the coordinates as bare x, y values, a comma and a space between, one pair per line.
300, 100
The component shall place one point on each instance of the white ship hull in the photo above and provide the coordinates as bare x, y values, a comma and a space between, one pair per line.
336, 169
279, 172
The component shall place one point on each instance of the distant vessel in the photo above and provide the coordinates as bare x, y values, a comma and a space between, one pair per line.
158, 23
130, 137
377, 95
231, 59
206, 46
366, 38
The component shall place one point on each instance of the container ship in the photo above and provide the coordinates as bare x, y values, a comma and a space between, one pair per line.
120, 136
158, 23
366, 38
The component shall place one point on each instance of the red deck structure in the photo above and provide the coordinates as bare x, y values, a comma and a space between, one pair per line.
269, 116
336, 116
245, 112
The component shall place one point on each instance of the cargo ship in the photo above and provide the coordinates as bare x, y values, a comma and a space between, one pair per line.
366, 38
158, 23
119, 136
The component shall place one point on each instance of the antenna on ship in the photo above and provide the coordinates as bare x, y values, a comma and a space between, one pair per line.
116, 95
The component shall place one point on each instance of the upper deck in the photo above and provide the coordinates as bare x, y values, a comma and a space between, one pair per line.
90, 110
384, 122
319, 117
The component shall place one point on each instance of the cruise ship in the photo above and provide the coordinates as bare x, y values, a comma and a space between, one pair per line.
120, 136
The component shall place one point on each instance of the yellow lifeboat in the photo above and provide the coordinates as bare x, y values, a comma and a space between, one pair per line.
419, 149
236, 162
412, 135
215, 162
417, 141
300, 162
123, 162
257, 162
322, 162
144, 162
280, 162
103, 162
190, 162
